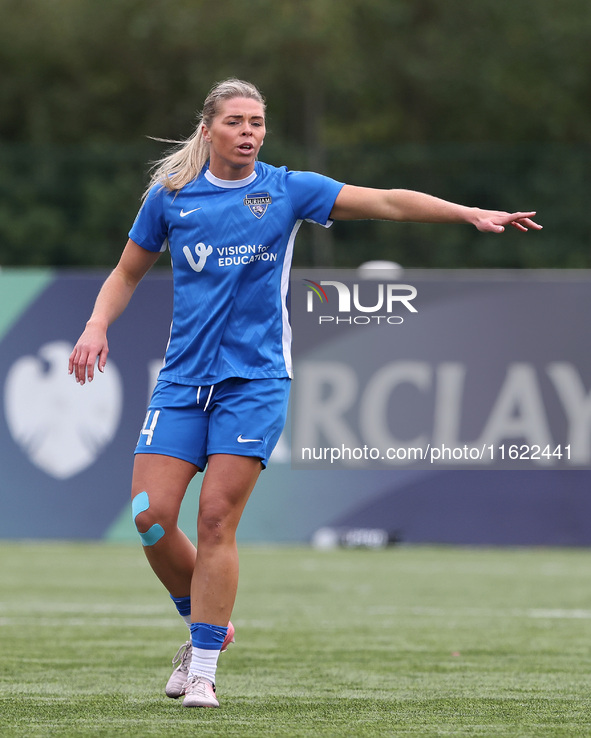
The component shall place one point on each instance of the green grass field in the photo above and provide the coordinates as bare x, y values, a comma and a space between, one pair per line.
411, 641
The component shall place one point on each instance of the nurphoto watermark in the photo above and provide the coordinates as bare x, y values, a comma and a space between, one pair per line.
407, 371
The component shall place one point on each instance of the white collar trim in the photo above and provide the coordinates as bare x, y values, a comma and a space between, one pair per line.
229, 184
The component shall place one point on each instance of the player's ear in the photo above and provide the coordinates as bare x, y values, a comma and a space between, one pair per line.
205, 133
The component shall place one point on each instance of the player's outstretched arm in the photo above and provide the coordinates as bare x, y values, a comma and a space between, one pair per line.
114, 295
361, 203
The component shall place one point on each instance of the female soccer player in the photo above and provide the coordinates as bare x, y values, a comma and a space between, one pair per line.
220, 401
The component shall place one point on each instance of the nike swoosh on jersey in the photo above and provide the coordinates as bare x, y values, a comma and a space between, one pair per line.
188, 212
248, 440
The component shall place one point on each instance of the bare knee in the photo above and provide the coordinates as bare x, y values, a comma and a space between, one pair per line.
216, 525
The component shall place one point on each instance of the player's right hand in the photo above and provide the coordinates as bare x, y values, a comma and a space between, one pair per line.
91, 348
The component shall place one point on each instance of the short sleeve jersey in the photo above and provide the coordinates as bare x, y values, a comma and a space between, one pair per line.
231, 245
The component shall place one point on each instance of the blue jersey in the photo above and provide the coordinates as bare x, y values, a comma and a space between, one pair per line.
231, 245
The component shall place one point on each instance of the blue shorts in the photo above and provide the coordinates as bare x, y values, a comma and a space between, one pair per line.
244, 417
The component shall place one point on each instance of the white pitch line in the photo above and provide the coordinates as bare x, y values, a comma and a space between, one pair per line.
93, 609
85, 622
537, 613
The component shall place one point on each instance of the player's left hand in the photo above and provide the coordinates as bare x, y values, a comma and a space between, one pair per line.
494, 221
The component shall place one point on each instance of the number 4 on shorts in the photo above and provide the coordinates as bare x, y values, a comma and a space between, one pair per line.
149, 430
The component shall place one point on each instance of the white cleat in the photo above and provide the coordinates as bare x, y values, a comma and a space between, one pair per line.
174, 686
199, 692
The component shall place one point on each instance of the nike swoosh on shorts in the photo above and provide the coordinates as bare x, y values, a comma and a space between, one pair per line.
248, 440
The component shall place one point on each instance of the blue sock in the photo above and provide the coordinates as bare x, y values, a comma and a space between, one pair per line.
211, 637
207, 643
183, 605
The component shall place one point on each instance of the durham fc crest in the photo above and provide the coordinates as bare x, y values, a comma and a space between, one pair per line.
258, 203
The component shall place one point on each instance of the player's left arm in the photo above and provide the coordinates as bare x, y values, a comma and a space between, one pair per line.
366, 203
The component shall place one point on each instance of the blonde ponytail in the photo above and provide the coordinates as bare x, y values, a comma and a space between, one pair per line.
187, 158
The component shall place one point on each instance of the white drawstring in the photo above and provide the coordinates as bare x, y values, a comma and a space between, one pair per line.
208, 398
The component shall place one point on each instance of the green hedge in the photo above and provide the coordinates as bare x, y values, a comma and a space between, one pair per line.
73, 205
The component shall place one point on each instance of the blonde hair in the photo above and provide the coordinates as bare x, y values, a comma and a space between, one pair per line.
187, 158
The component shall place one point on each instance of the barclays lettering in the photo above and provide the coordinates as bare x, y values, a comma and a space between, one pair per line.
333, 407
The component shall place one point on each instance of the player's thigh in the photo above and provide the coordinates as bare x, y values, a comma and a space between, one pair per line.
227, 484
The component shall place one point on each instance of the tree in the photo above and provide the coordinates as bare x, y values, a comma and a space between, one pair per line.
361, 90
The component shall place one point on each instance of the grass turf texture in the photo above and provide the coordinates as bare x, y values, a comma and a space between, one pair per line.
405, 641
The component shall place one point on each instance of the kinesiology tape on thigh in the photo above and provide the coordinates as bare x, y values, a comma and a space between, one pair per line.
139, 505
